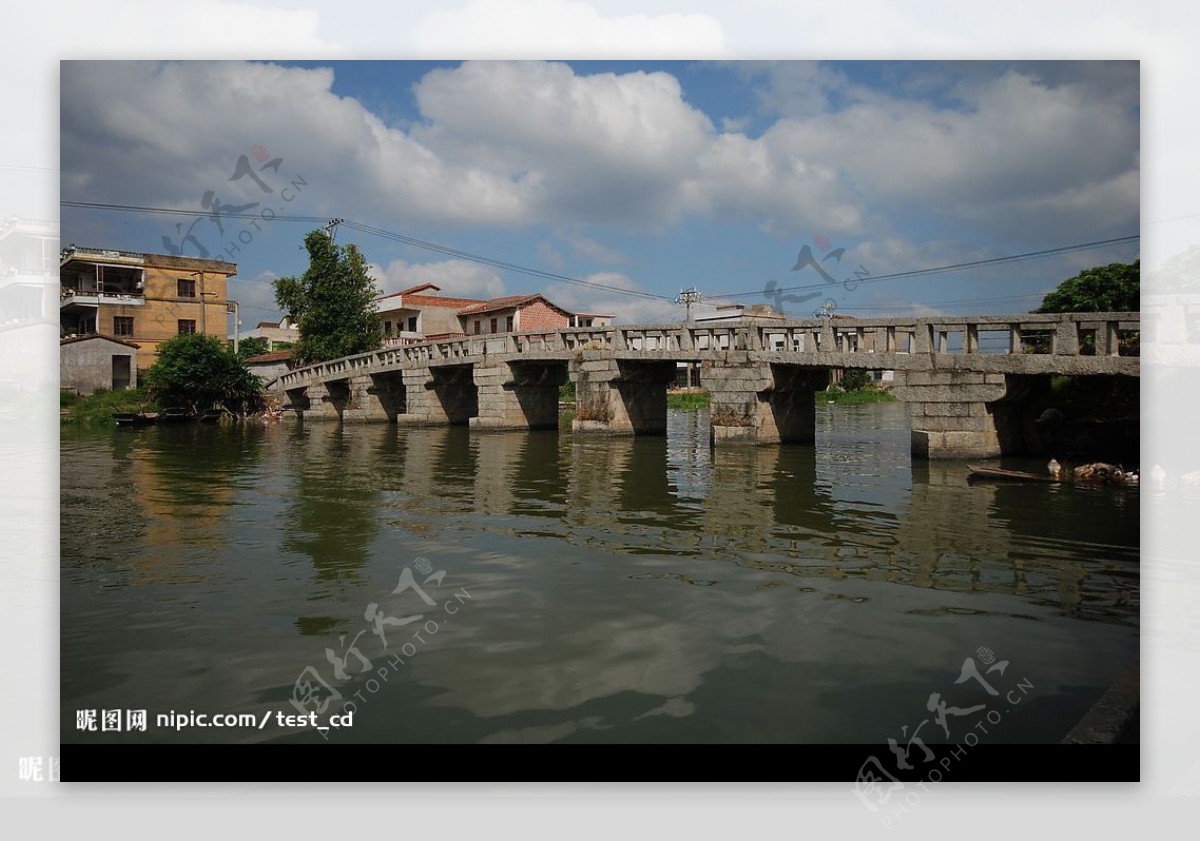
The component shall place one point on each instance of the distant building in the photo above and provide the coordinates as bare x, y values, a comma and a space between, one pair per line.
270, 365
92, 362
419, 313
514, 314
28, 262
592, 320
275, 333
742, 313
142, 298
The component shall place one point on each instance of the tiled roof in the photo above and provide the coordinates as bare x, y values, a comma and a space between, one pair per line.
502, 303
270, 357
84, 337
418, 288
419, 301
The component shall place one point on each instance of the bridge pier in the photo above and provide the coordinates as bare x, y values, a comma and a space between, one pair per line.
757, 404
518, 395
375, 397
622, 397
951, 413
438, 395
327, 400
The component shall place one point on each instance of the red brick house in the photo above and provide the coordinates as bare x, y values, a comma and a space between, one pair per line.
513, 314
419, 313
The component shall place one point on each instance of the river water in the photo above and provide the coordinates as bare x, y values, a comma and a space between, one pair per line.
582, 589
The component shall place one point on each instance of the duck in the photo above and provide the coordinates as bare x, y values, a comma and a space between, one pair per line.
1054, 468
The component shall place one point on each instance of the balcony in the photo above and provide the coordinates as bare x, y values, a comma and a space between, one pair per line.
404, 337
92, 298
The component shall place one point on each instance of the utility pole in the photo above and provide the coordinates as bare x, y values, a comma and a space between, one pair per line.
232, 306
688, 297
203, 304
331, 228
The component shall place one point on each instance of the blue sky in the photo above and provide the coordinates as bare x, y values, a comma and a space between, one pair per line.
637, 178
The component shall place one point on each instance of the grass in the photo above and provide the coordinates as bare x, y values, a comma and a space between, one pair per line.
97, 409
856, 396
688, 400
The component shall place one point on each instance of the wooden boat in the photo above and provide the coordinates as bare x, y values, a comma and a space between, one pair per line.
135, 419
212, 416
176, 415
1002, 473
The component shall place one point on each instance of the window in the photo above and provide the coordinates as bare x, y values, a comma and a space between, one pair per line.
412, 323
122, 325
508, 324
477, 331
187, 326
187, 288
493, 326
387, 328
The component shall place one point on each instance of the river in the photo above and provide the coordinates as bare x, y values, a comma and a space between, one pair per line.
583, 589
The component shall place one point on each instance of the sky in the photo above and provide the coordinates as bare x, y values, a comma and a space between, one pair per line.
790, 183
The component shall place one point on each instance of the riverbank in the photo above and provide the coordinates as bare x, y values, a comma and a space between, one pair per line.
689, 399
855, 396
98, 409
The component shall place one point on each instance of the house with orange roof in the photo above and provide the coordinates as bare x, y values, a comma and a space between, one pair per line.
420, 313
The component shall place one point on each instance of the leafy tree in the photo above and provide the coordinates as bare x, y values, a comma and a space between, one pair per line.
200, 372
252, 347
1115, 288
855, 379
332, 303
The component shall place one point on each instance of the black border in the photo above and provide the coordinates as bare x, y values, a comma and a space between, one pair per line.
300, 762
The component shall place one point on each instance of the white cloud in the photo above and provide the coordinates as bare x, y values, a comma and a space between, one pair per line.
517, 28
532, 143
628, 309
457, 278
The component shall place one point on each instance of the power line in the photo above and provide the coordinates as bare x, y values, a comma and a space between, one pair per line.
387, 235
949, 268
499, 264
950, 301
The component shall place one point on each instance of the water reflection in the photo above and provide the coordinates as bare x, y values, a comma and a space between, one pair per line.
621, 589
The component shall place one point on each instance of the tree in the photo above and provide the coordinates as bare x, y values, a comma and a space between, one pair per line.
1115, 288
855, 379
332, 303
201, 372
252, 347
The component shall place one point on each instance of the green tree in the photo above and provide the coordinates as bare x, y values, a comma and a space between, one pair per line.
1115, 288
855, 379
252, 347
332, 303
201, 372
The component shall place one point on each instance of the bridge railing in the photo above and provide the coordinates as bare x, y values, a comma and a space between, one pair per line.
1068, 334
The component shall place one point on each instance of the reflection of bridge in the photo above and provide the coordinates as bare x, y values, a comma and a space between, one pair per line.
955, 372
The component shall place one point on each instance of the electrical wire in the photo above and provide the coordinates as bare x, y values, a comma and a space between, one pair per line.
383, 233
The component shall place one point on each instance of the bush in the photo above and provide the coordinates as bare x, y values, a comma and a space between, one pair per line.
855, 379
200, 372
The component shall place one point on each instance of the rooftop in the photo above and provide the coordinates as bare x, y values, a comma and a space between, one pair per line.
136, 258
83, 337
270, 357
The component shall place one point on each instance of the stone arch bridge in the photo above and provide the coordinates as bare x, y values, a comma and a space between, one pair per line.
963, 377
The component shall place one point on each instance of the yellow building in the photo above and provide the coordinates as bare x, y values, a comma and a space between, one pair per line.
142, 298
